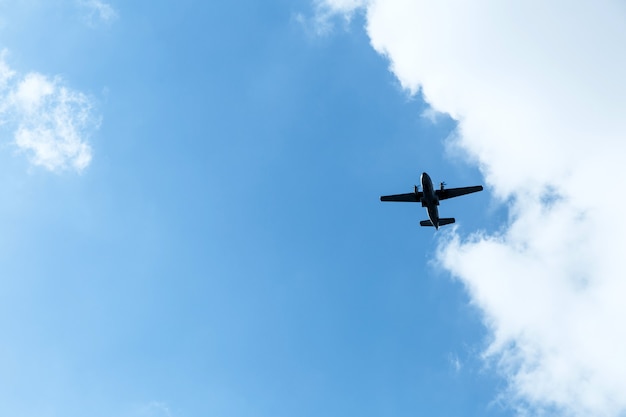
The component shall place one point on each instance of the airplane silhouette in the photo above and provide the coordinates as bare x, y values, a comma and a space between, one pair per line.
429, 197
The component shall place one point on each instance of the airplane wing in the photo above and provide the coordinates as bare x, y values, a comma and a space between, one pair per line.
455, 192
408, 197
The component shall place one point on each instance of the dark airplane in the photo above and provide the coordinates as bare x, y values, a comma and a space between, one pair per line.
429, 197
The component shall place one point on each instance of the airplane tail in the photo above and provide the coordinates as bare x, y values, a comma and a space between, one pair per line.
442, 221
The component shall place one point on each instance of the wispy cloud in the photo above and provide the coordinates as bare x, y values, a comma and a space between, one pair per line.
455, 362
155, 409
538, 91
321, 22
49, 121
97, 11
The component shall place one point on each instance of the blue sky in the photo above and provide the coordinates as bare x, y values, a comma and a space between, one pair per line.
224, 252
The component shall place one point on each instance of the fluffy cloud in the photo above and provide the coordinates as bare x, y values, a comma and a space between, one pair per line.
537, 88
50, 122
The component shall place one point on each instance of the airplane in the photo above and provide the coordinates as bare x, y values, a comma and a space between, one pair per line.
429, 197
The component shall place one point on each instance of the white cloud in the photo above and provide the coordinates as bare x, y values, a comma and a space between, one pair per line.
537, 88
31, 92
50, 122
98, 11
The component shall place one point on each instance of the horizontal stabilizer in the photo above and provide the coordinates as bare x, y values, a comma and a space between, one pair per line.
443, 221
446, 220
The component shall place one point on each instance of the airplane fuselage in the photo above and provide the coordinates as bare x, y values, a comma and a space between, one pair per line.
430, 199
